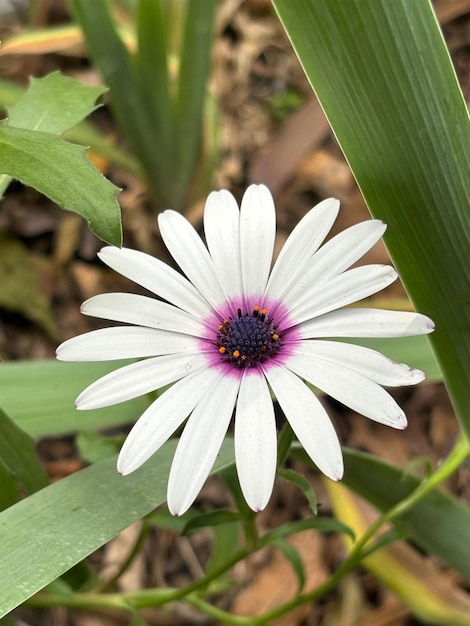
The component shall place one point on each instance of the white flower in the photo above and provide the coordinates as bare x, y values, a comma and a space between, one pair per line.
232, 332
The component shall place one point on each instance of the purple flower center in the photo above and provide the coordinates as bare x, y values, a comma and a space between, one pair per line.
248, 339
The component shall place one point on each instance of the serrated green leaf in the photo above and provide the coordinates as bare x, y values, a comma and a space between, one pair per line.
54, 104
62, 172
39, 396
18, 456
46, 534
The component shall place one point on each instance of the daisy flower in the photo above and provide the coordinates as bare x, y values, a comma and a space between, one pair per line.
229, 333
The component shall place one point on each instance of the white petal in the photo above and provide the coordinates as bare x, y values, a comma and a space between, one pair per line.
257, 233
138, 379
157, 277
142, 311
191, 254
358, 322
300, 246
350, 388
341, 290
124, 342
162, 418
364, 361
200, 443
255, 440
222, 230
347, 247
308, 419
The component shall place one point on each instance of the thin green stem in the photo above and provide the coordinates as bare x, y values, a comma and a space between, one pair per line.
109, 584
158, 597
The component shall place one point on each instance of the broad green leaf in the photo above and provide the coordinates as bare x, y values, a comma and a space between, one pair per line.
54, 104
39, 396
62, 172
84, 133
20, 287
46, 534
384, 78
18, 456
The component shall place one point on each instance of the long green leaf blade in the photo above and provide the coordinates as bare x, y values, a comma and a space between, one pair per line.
132, 108
48, 533
39, 396
383, 75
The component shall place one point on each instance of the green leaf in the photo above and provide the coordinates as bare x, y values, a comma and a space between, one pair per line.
18, 457
52, 530
226, 540
20, 287
84, 133
439, 523
384, 78
93, 447
54, 104
213, 518
325, 524
291, 553
62, 172
39, 396
10, 491
303, 484
191, 96
131, 105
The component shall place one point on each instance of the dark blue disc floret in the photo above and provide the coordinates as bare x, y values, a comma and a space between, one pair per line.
248, 339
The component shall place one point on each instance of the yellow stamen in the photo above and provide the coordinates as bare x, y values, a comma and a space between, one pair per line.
236, 354
222, 350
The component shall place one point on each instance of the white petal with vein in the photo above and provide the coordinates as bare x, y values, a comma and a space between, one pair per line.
138, 379
255, 440
309, 421
143, 311
162, 418
257, 233
191, 254
124, 342
358, 322
157, 277
200, 443
350, 388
